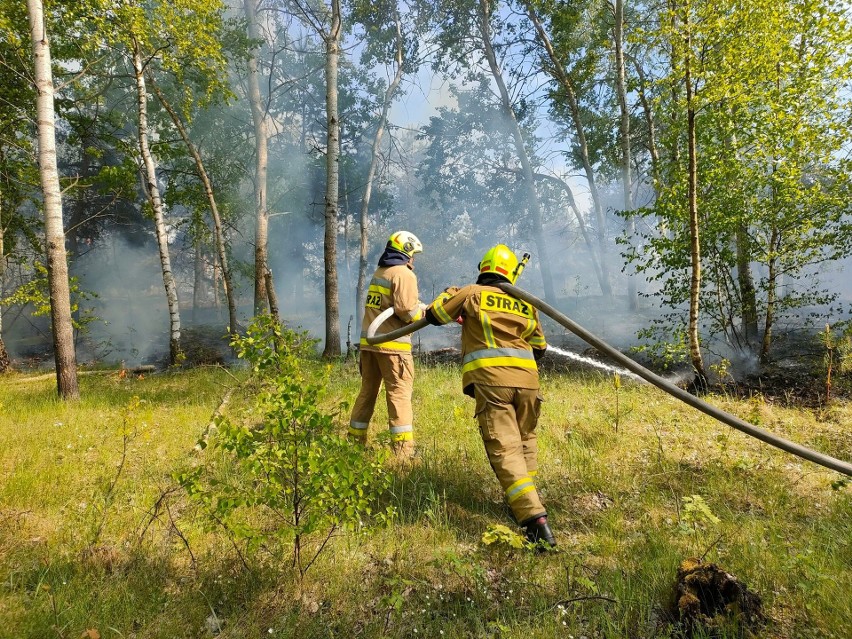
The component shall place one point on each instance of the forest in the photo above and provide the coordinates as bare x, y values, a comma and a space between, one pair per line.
214, 161
193, 198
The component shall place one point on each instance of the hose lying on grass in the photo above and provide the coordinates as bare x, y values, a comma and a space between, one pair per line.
716, 413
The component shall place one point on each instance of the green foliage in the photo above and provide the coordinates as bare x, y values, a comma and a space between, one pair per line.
773, 175
289, 477
696, 517
37, 292
696, 513
664, 343
500, 535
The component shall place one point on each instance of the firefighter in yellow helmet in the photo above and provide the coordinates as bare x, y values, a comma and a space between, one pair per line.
501, 341
393, 285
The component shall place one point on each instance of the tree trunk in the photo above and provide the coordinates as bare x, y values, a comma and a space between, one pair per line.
571, 95
197, 280
745, 281
57, 265
332, 166
694, 242
258, 115
371, 174
272, 298
4, 356
650, 125
771, 295
581, 223
218, 228
153, 191
624, 138
520, 149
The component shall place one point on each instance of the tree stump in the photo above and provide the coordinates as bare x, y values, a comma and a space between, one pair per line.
711, 598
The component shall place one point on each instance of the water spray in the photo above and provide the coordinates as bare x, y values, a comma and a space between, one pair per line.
716, 413
593, 362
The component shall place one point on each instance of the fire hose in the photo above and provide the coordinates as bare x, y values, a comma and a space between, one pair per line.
652, 378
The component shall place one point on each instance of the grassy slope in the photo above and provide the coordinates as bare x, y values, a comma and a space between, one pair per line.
613, 482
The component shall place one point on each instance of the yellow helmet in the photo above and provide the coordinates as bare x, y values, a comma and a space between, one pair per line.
405, 242
500, 260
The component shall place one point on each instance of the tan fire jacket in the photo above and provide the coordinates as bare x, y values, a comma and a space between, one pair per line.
394, 286
499, 334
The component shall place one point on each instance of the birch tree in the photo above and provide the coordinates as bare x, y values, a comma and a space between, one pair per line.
765, 122
152, 189
57, 266
485, 14
259, 115
218, 227
182, 38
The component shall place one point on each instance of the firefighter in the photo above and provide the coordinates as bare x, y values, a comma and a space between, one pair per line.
393, 285
501, 341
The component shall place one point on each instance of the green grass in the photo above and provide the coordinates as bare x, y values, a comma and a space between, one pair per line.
95, 535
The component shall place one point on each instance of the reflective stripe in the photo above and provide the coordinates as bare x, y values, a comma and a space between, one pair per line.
487, 353
440, 313
515, 357
519, 488
486, 329
538, 342
513, 362
394, 346
417, 315
374, 288
402, 433
528, 331
380, 281
358, 429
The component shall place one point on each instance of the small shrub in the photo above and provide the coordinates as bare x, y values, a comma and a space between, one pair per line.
291, 478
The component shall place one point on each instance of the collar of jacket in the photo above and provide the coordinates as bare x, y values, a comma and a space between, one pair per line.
392, 257
490, 279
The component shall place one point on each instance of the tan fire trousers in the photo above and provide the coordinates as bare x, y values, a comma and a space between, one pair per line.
396, 370
507, 419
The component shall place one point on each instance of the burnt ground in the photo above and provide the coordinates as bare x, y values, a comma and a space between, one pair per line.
796, 377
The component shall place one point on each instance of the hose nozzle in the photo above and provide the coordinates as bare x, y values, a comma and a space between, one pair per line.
520, 267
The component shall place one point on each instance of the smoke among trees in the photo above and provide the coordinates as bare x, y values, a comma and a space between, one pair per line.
685, 165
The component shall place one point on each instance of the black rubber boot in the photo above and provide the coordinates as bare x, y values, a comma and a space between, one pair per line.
538, 530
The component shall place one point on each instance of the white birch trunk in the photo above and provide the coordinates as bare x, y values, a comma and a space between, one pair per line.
258, 115
332, 298
153, 191
700, 382
57, 265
